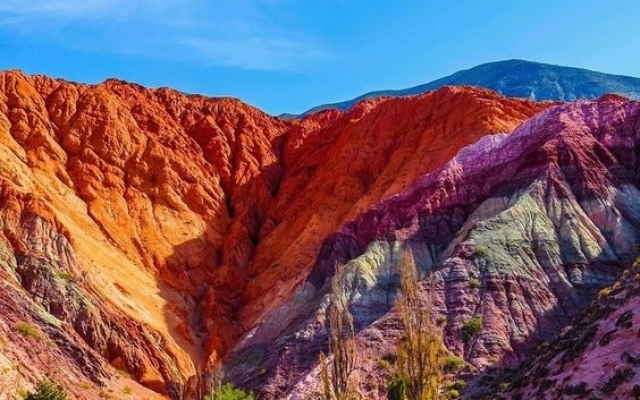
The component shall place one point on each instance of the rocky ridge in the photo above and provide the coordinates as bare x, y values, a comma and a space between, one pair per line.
148, 235
519, 78
147, 223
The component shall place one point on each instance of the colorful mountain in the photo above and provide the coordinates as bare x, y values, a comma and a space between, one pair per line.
150, 238
520, 78
543, 218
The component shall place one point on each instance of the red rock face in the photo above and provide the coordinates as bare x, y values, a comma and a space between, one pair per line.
185, 223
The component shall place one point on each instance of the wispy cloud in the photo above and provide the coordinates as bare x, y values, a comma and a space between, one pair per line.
59, 8
227, 33
255, 52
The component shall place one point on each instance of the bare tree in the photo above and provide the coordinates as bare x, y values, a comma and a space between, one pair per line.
421, 351
336, 379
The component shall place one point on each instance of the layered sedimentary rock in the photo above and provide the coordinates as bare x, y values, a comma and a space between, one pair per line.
146, 191
150, 236
174, 217
520, 230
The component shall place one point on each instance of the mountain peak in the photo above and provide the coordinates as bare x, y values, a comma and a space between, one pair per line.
521, 78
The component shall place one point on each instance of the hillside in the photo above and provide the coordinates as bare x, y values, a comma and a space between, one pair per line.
141, 227
596, 356
149, 237
541, 218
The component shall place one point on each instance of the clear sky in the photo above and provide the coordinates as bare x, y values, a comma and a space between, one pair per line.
291, 55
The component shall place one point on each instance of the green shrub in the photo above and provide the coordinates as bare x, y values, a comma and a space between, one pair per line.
383, 364
471, 327
46, 390
452, 394
453, 364
229, 392
396, 390
124, 373
458, 385
28, 330
481, 251
475, 284
65, 276
604, 292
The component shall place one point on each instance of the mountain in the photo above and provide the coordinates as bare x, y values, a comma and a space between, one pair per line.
520, 78
541, 219
150, 238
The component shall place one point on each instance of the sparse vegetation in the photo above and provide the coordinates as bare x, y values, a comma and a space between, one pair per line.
396, 390
607, 337
625, 320
475, 284
636, 391
453, 364
65, 276
383, 364
540, 372
545, 385
127, 390
46, 390
471, 327
335, 377
229, 392
390, 358
580, 343
481, 251
124, 373
27, 330
420, 353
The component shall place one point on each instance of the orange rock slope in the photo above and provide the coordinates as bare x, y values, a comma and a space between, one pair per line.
181, 221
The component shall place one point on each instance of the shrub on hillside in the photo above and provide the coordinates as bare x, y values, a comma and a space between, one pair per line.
481, 251
229, 392
46, 390
453, 364
471, 327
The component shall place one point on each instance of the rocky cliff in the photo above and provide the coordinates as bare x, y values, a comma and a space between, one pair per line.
150, 236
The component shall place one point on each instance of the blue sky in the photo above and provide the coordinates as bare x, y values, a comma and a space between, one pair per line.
291, 55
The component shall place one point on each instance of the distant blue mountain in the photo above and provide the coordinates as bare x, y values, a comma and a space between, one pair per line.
519, 78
